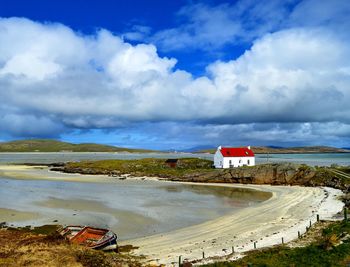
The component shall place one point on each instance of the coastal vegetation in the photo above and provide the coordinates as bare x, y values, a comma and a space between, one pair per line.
331, 248
140, 167
325, 244
43, 246
47, 145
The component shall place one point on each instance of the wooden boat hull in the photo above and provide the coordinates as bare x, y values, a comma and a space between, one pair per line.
95, 238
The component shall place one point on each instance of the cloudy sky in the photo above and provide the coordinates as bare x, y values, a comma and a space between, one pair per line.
176, 74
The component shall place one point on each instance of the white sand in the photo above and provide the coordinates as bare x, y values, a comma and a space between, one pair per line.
289, 210
23, 172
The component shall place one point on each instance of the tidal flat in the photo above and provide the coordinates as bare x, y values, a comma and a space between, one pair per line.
132, 208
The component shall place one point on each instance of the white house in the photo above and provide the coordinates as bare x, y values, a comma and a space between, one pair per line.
230, 157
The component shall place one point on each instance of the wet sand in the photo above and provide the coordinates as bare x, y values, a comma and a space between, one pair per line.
15, 215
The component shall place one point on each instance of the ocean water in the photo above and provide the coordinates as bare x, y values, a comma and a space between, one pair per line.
77, 156
322, 159
319, 159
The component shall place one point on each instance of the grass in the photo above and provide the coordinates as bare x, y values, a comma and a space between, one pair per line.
345, 169
142, 167
332, 249
42, 246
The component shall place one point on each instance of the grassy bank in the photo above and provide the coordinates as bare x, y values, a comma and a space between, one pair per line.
332, 248
42, 246
141, 167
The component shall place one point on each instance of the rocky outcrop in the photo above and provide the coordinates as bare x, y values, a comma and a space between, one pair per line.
274, 174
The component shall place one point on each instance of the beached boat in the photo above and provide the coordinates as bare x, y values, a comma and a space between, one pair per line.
96, 238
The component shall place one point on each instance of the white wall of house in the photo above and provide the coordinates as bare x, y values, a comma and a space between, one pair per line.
218, 159
231, 162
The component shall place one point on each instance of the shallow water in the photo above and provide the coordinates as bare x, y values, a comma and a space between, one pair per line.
131, 208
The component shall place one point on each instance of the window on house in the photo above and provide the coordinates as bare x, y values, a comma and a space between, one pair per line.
240, 161
248, 161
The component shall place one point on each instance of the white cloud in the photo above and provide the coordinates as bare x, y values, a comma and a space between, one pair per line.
333, 14
58, 79
209, 28
137, 33
204, 28
285, 76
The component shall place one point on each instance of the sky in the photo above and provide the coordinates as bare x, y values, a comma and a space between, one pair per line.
176, 74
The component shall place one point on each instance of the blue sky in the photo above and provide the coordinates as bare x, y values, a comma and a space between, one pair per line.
176, 74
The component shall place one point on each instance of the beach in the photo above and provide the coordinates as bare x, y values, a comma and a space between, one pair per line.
289, 210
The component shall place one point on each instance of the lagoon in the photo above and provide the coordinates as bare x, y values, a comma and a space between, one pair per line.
132, 208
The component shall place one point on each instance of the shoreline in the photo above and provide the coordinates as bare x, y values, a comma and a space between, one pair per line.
289, 210
266, 223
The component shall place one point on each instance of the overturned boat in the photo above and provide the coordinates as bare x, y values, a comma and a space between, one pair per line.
96, 238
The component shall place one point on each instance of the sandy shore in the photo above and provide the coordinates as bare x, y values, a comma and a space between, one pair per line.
15, 215
23, 172
289, 210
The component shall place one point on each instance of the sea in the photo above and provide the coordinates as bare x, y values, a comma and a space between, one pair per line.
315, 159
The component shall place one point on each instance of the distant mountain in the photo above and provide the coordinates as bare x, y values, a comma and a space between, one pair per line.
291, 150
47, 145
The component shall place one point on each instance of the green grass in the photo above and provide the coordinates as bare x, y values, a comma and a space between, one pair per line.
325, 252
345, 169
143, 167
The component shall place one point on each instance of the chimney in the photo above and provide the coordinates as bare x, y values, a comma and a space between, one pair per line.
219, 147
248, 147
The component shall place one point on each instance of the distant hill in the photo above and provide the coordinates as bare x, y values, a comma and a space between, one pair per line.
289, 150
46, 145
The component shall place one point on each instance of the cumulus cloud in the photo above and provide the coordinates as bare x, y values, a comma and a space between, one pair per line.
53, 79
285, 76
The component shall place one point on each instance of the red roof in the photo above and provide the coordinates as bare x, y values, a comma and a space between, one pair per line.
236, 152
